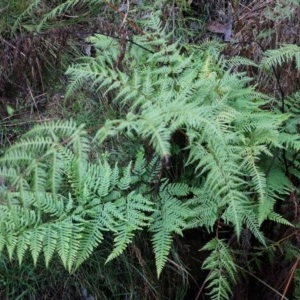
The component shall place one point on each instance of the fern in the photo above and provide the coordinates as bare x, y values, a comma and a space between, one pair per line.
65, 201
277, 57
167, 89
52, 12
68, 200
134, 208
222, 267
170, 217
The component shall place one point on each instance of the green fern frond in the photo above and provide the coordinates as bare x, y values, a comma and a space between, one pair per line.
11, 243
125, 181
36, 242
23, 245
91, 238
251, 221
223, 271
48, 203
170, 217
153, 170
273, 216
205, 210
58, 10
100, 178
140, 164
65, 7
238, 61
50, 240
259, 184
176, 189
73, 248
32, 6
234, 213
64, 235
134, 208
277, 182
279, 56
67, 202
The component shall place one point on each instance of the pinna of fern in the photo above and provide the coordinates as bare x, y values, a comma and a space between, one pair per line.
277, 57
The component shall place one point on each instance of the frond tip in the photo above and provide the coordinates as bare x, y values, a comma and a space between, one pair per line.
279, 56
222, 269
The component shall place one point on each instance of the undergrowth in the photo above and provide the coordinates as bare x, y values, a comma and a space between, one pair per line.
68, 195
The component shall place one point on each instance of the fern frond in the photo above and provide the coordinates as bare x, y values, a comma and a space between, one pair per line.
273, 216
223, 271
260, 185
279, 56
23, 245
91, 238
125, 181
170, 217
33, 5
205, 211
234, 213
251, 221
55, 174
11, 243
134, 208
50, 240
36, 242
238, 61
74, 247
64, 235
64, 7
153, 169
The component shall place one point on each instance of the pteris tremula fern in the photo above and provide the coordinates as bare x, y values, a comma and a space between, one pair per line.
231, 139
51, 12
276, 57
56, 199
66, 201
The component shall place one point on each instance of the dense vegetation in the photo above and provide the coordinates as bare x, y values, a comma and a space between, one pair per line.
136, 133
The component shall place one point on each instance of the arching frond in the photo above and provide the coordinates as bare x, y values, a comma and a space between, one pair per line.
278, 56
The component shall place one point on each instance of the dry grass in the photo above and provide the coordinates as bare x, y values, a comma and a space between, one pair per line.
263, 25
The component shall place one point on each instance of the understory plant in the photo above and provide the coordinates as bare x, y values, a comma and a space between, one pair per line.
62, 194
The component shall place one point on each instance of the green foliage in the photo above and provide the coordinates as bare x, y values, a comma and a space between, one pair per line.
277, 57
44, 13
56, 200
283, 9
60, 196
231, 139
222, 269
170, 217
